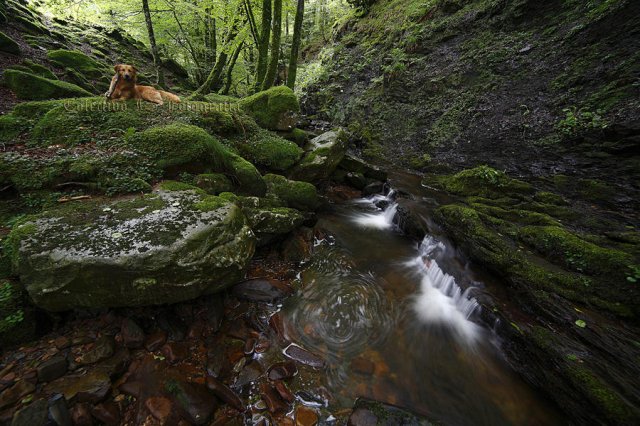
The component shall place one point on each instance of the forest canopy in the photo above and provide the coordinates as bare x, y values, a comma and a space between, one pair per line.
226, 47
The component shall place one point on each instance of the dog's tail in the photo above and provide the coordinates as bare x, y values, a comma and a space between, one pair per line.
169, 96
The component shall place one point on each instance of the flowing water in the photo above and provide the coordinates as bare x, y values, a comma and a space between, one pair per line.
397, 321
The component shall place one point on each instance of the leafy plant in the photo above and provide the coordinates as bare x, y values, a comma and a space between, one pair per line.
10, 313
634, 274
577, 120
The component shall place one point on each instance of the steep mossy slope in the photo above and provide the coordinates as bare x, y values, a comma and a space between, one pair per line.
530, 87
82, 56
465, 90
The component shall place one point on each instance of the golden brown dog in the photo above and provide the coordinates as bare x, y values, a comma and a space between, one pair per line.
123, 86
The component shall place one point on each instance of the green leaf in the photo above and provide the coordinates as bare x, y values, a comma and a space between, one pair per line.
580, 323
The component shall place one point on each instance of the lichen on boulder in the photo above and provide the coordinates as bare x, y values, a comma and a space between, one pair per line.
324, 153
156, 249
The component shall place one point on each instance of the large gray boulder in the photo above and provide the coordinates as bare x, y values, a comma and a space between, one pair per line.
323, 154
165, 247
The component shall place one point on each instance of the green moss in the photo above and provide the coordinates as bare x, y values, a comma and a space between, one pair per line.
575, 253
32, 87
249, 179
216, 98
296, 194
524, 217
213, 183
493, 249
601, 395
10, 127
8, 45
173, 185
27, 173
268, 150
211, 202
178, 144
272, 108
39, 70
78, 61
11, 244
549, 198
485, 182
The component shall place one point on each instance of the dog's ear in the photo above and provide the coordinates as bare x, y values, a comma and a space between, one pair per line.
117, 67
134, 68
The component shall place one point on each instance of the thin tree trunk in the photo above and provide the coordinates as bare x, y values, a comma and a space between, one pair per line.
272, 69
232, 64
252, 22
152, 42
263, 46
214, 80
295, 45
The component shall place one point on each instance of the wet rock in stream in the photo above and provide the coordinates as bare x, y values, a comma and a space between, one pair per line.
261, 290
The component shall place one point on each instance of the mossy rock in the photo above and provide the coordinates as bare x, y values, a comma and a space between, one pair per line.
10, 127
143, 251
178, 146
214, 183
39, 70
32, 87
575, 253
273, 109
270, 151
324, 153
221, 99
484, 181
295, 194
490, 247
272, 222
249, 179
76, 77
78, 61
8, 45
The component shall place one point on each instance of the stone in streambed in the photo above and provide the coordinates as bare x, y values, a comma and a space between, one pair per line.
132, 334
90, 387
175, 351
223, 392
108, 413
303, 356
275, 404
197, 403
58, 411
162, 248
261, 290
81, 415
15, 393
102, 349
155, 340
160, 407
34, 414
282, 370
52, 369
324, 153
305, 416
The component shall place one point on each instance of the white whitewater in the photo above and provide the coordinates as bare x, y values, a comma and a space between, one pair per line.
381, 219
440, 300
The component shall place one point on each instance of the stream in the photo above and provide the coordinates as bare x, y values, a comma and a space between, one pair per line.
397, 321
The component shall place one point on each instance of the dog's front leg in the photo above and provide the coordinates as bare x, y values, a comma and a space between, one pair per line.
112, 87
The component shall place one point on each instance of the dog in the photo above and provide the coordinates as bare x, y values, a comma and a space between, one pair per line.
123, 86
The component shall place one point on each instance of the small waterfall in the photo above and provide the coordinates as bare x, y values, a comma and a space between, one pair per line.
440, 300
381, 219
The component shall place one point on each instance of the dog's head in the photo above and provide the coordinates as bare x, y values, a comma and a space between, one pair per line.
126, 72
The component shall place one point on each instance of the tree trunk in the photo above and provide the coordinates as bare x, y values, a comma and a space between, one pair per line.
152, 42
232, 64
263, 46
214, 80
272, 69
295, 45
